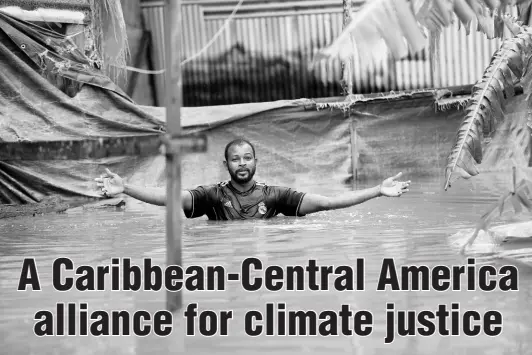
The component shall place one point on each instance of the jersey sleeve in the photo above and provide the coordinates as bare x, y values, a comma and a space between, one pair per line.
202, 201
287, 201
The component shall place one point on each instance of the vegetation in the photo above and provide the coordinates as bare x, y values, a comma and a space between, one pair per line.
397, 28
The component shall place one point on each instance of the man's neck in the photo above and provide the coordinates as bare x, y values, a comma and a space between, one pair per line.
242, 187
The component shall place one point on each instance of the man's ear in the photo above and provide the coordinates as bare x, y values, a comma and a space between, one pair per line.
225, 163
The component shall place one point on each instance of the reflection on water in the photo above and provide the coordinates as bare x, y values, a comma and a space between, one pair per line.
413, 229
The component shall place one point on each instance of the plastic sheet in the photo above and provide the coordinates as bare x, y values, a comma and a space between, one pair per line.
295, 142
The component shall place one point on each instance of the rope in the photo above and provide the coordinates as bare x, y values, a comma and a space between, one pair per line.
143, 71
212, 40
216, 35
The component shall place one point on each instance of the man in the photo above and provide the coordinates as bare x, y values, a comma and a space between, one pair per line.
243, 198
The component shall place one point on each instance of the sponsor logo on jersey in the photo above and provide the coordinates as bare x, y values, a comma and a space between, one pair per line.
262, 208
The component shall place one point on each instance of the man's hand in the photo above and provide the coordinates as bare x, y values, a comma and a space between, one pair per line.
392, 188
110, 183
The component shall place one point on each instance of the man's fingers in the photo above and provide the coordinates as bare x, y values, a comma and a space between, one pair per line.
111, 174
397, 176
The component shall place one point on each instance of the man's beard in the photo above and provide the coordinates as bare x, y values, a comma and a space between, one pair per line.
234, 175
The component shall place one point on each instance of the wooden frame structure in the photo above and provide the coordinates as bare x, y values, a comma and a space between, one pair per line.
173, 144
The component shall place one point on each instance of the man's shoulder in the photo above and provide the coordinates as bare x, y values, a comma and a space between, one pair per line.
209, 188
213, 185
267, 188
275, 189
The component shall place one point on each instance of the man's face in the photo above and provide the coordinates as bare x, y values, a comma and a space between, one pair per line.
241, 163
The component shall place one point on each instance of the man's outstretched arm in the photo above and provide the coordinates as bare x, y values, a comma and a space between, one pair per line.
112, 185
155, 195
312, 203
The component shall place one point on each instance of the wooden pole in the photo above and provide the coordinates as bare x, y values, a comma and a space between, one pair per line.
347, 86
173, 97
354, 148
347, 75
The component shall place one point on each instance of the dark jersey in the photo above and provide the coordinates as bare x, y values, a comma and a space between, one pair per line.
223, 202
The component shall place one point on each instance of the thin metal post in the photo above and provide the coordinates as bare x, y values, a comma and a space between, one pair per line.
173, 103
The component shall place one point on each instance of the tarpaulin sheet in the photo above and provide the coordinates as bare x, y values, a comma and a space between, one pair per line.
297, 145
33, 109
412, 136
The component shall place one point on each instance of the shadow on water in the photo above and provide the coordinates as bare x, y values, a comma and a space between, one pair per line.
413, 229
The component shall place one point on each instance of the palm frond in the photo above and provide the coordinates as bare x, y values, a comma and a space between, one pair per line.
397, 28
486, 106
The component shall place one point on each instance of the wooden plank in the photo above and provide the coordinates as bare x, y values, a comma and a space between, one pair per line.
141, 53
101, 148
71, 5
347, 83
47, 15
173, 104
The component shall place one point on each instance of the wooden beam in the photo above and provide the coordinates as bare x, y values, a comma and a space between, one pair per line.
46, 15
347, 74
102, 148
141, 53
406, 95
173, 96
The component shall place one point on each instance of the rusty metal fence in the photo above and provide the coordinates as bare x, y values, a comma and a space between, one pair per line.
265, 52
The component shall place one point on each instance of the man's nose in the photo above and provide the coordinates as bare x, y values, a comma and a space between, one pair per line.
242, 162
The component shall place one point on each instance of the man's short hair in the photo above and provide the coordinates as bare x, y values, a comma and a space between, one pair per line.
239, 142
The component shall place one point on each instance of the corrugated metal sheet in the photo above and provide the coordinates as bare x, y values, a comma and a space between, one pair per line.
132, 13
264, 53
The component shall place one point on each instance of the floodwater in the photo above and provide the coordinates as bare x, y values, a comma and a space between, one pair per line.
417, 228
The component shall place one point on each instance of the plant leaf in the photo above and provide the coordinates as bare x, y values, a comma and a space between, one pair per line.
524, 8
363, 37
486, 106
403, 23
500, 204
524, 200
493, 4
394, 39
445, 11
516, 203
464, 13
512, 24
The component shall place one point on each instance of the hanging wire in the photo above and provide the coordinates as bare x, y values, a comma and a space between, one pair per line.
201, 51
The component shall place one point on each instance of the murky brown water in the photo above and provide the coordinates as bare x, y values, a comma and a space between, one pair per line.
413, 229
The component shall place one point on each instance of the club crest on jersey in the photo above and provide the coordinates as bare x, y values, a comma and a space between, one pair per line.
262, 208
228, 203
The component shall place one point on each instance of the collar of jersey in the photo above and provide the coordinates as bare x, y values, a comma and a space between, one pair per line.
244, 193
